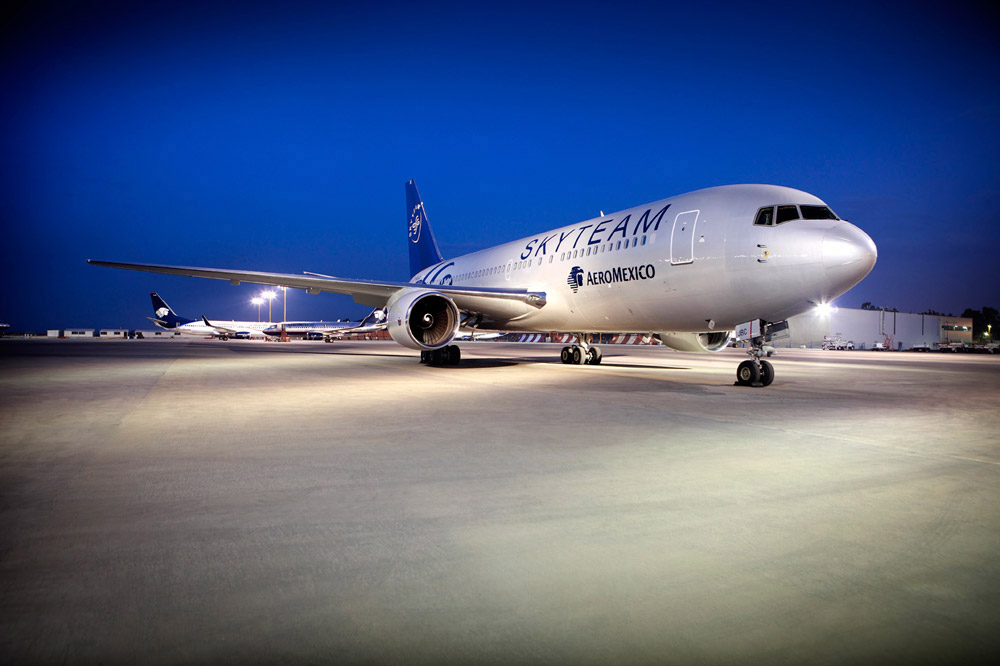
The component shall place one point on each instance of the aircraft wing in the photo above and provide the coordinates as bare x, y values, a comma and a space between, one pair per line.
366, 292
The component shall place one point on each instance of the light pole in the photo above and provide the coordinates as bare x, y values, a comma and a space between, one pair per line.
284, 315
269, 295
258, 301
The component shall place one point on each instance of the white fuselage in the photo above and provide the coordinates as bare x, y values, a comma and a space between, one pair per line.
694, 262
224, 328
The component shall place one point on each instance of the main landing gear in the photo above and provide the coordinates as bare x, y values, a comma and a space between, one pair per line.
449, 355
755, 372
580, 354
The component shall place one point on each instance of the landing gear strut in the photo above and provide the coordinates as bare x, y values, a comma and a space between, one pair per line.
449, 355
756, 372
583, 353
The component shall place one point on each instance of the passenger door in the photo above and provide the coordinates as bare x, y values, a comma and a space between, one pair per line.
682, 237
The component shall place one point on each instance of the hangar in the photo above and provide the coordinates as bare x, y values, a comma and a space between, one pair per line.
895, 330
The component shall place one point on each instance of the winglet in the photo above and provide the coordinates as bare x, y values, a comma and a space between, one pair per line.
424, 250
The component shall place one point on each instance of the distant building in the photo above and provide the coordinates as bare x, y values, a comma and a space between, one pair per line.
895, 330
79, 332
158, 333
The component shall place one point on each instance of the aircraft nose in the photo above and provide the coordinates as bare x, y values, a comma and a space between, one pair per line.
849, 254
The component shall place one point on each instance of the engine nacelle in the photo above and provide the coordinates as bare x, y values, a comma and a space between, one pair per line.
696, 342
422, 319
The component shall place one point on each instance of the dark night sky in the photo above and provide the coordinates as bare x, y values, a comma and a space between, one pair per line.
278, 137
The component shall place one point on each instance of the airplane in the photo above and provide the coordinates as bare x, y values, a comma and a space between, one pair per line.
687, 270
329, 330
168, 319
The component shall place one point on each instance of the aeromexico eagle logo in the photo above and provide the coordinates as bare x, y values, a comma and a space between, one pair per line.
162, 312
575, 279
416, 219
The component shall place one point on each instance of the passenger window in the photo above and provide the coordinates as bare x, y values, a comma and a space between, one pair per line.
643, 240
765, 217
786, 214
619, 245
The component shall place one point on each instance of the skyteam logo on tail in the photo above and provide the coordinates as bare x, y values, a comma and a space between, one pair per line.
416, 218
575, 279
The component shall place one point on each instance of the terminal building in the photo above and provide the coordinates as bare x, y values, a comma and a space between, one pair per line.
894, 330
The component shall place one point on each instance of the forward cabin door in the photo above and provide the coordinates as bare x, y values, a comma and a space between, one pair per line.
682, 238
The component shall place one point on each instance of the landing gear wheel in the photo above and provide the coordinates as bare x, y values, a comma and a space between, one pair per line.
594, 356
577, 355
566, 355
766, 373
454, 355
425, 357
748, 373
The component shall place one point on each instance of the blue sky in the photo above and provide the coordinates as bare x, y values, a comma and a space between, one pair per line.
279, 136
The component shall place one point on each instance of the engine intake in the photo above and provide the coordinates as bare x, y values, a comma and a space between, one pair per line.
696, 342
421, 319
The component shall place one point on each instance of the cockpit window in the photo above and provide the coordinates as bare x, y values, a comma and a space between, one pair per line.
765, 217
772, 215
817, 213
787, 213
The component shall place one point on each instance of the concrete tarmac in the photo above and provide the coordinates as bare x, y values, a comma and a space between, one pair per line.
169, 502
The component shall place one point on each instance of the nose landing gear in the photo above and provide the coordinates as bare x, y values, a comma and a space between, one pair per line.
755, 372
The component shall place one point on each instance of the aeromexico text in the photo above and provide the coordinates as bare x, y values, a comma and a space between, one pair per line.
621, 274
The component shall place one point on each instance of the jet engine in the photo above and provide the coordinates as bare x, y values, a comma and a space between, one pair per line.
696, 342
421, 319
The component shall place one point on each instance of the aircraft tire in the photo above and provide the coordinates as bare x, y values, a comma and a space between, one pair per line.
577, 355
594, 356
566, 356
454, 355
747, 373
766, 373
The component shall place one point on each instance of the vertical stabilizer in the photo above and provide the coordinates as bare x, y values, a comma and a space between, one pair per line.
165, 316
424, 250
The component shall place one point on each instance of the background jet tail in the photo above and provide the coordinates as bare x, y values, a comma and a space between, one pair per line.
165, 315
424, 250
377, 316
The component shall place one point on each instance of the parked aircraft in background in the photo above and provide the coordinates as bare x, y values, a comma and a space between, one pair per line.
329, 330
687, 269
168, 319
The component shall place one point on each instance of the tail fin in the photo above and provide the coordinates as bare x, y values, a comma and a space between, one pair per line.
165, 316
424, 250
376, 316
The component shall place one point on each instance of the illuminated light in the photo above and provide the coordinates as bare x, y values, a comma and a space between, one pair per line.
825, 309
